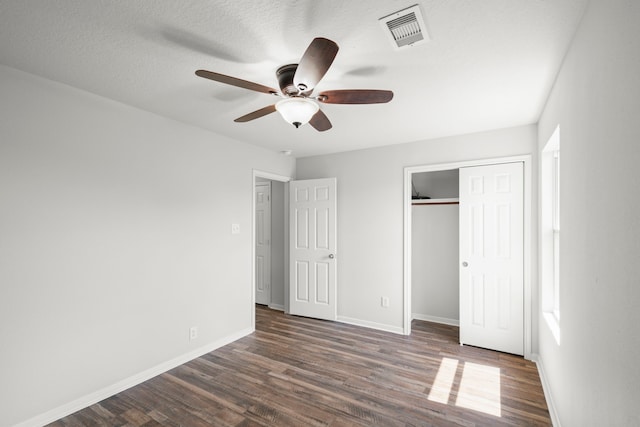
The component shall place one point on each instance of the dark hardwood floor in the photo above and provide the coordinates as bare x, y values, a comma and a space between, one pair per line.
303, 372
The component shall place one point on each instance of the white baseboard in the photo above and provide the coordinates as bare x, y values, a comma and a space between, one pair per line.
435, 319
99, 395
372, 325
553, 413
276, 307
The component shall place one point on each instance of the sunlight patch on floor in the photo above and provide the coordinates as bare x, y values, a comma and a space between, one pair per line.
480, 389
441, 389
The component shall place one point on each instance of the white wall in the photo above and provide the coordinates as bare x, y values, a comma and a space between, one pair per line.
435, 278
594, 374
114, 240
370, 213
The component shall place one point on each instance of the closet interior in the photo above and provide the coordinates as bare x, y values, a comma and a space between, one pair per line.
435, 246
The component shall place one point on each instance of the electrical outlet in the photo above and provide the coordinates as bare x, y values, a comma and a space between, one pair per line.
384, 301
235, 228
193, 333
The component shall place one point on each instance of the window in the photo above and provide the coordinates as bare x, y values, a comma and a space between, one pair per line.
550, 229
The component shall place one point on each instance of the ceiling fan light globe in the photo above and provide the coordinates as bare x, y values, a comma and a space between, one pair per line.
297, 111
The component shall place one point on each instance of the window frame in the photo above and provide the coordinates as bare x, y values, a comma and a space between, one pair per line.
556, 234
550, 179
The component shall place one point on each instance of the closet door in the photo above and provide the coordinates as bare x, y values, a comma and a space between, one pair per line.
491, 257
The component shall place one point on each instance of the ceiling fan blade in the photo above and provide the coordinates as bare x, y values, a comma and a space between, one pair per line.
355, 96
314, 63
320, 121
256, 114
234, 81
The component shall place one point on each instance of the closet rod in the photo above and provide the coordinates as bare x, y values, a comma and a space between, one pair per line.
438, 201
443, 203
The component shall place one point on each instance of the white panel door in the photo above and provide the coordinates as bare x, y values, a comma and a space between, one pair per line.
312, 221
491, 257
263, 243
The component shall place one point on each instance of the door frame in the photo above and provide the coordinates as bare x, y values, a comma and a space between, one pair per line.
408, 172
255, 173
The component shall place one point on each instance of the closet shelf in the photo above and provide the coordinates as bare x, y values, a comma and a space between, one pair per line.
435, 201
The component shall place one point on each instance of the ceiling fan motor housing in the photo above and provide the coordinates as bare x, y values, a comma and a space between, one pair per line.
285, 79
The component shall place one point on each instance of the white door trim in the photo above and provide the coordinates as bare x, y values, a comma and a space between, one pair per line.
408, 171
274, 177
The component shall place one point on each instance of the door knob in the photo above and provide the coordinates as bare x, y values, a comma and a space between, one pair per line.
331, 256
465, 264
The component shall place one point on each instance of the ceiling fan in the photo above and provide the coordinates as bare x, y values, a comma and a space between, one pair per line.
297, 82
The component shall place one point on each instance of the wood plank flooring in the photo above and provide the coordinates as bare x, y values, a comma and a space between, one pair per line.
304, 372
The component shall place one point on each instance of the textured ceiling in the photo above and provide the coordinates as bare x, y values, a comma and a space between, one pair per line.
490, 64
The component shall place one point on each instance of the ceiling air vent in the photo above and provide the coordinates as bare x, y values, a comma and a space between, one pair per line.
405, 27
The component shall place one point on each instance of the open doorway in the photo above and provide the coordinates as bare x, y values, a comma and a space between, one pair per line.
270, 231
270, 243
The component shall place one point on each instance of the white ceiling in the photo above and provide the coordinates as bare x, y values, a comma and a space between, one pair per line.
490, 64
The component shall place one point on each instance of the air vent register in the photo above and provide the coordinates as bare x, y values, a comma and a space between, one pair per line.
406, 27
